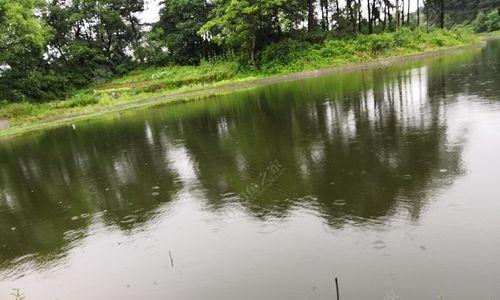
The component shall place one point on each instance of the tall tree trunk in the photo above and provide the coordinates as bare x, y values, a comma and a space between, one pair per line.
402, 12
327, 9
322, 15
398, 16
418, 13
336, 14
375, 13
311, 20
276, 23
370, 17
427, 16
360, 16
441, 13
252, 51
385, 16
388, 16
352, 15
408, 13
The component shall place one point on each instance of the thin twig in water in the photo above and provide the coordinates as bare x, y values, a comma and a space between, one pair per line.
17, 294
171, 259
337, 288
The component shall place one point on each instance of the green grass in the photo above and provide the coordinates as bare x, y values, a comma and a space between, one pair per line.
288, 56
297, 56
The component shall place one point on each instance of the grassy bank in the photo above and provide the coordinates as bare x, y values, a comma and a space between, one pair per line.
182, 82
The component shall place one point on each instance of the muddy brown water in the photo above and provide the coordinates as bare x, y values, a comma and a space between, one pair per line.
385, 178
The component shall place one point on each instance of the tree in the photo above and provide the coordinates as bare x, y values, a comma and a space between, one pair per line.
370, 17
435, 10
398, 15
418, 13
21, 32
311, 15
249, 25
351, 13
441, 13
180, 22
360, 16
93, 39
427, 17
23, 39
408, 13
485, 22
402, 12
97, 37
459, 11
325, 14
48, 48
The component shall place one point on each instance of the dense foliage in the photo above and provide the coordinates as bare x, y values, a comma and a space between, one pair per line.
278, 58
460, 11
487, 21
51, 48
292, 56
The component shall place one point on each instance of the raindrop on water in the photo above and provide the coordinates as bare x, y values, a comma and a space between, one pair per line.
339, 202
379, 244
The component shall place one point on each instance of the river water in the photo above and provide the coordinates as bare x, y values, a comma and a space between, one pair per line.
387, 179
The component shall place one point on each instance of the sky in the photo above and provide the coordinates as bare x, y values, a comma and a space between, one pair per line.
151, 13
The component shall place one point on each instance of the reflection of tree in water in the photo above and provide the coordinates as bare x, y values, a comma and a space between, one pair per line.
352, 157
476, 74
51, 186
352, 147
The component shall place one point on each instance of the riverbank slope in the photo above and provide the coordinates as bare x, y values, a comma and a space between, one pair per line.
148, 87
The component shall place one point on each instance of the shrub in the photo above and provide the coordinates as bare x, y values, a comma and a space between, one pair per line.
281, 53
487, 22
493, 21
339, 48
81, 100
403, 37
20, 109
298, 55
380, 43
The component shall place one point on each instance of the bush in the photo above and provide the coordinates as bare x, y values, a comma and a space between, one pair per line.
339, 48
493, 21
381, 42
299, 55
20, 109
194, 79
403, 37
487, 22
275, 56
81, 100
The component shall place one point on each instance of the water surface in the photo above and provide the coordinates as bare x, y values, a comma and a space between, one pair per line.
385, 178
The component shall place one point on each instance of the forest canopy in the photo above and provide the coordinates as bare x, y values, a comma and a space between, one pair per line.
50, 48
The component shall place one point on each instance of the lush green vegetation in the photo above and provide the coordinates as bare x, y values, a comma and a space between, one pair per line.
487, 21
292, 56
284, 57
60, 56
